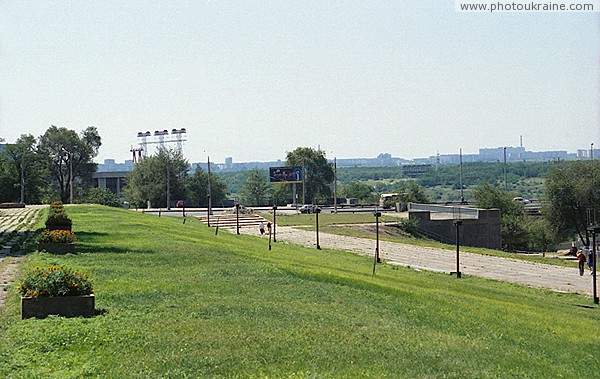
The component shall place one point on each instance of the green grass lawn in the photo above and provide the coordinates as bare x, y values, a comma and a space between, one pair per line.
177, 301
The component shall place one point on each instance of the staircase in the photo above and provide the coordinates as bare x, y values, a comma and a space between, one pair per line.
228, 221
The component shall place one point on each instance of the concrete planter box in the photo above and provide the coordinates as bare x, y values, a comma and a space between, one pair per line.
57, 248
69, 306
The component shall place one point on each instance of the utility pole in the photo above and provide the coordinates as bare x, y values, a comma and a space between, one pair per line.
168, 181
505, 182
462, 196
70, 157
23, 179
334, 185
209, 210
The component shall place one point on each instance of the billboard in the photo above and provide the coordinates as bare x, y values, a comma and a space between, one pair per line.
284, 175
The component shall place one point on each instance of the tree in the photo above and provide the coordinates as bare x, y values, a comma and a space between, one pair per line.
358, 190
156, 178
69, 157
256, 188
411, 192
571, 189
318, 174
197, 189
515, 234
24, 177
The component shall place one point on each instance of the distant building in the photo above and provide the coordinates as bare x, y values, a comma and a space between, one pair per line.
112, 175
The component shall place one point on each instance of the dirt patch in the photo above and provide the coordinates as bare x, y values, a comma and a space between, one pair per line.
8, 274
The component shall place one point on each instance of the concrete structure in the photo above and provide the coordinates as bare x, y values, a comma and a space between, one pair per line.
480, 227
114, 181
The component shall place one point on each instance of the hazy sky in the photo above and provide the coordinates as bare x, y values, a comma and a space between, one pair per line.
255, 79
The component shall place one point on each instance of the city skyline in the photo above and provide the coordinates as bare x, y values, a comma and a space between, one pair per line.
254, 80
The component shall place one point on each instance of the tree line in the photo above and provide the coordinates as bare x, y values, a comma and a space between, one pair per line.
58, 165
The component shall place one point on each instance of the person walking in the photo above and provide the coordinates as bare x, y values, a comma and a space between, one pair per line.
581, 260
261, 227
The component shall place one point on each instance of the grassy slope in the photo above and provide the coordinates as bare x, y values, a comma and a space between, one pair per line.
181, 301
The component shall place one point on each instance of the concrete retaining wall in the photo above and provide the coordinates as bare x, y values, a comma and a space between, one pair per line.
484, 231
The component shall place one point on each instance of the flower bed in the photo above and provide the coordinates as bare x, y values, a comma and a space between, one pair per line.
56, 290
57, 241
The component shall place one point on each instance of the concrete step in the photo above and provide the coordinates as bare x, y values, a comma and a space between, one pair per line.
230, 220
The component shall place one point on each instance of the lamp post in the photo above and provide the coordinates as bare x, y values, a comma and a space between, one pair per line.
274, 223
168, 181
237, 218
209, 209
458, 223
377, 215
334, 185
317, 211
22, 178
70, 156
594, 230
376, 258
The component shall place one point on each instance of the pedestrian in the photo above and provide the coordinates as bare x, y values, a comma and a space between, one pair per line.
261, 227
573, 250
269, 226
581, 260
590, 258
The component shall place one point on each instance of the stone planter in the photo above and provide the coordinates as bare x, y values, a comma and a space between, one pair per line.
57, 248
69, 306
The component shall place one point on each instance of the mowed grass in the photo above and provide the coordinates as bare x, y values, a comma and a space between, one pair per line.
177, 301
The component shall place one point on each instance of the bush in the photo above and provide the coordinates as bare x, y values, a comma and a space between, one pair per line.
57, 217
57, 236
410, 226
55, 281
103, 197
58, 220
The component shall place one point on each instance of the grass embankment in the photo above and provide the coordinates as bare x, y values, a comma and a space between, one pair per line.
341, 224
179, 301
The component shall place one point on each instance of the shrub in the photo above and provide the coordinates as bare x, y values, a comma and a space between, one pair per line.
410, 226
103, 197
58, 220
57, 236
55, 281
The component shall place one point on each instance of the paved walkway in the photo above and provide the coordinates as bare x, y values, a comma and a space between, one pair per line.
15, 224
536, 275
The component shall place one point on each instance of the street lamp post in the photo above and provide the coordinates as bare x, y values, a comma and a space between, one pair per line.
23, 179
594, 230
334, 185
458, 223
237, 218
209, 209
70, 156
317, 211
168, 182
274, 223
376, 258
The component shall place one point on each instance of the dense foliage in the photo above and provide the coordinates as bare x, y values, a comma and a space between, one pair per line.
69, 158
256, 190
573, 191
102, 196
318, 177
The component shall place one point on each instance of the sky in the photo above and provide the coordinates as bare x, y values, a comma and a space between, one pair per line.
253, 80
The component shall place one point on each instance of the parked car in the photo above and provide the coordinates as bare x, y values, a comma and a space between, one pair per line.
309, 208
180, 204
